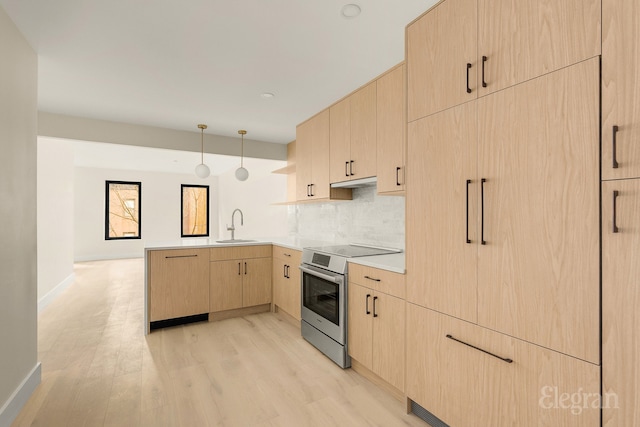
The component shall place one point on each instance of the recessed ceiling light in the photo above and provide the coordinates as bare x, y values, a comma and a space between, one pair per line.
350, 11
267, 95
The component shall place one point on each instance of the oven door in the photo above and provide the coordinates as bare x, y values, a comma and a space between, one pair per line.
324, 301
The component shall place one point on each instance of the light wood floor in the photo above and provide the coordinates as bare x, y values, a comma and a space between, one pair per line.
98, 368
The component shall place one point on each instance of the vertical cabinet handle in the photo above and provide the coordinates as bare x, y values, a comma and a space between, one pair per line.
374, 307
284, 271
239, 271
308, 194
398, 175
245, 268
366, 310
311, 186
468, 68
346, 168
351, 168
615, 225
484, 60
466, 214
482, 241
288, 272
614, 149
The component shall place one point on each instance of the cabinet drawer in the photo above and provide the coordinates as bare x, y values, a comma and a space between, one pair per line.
381, 280
240, 252
292, 256
471, 386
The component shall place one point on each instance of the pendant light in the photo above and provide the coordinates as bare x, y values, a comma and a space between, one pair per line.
202, 170
241, 173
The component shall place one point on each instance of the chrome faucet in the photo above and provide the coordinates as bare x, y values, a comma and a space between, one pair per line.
233, 227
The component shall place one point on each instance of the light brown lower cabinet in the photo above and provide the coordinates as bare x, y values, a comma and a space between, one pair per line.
376, 331
240, 282
468, 375
178, 283
621, 302
286, 280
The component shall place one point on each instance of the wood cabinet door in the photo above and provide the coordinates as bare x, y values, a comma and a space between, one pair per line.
279, 283
359, 324
320, 156
441, 212
178, 283
538, 271
225, 285
363, 132
388, 339
440, 44
391, 134
304, 153
256, 283
620, 302
525, 39
620, 88
340, 140
442, 375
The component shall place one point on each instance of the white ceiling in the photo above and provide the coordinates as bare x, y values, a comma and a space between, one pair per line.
177, 63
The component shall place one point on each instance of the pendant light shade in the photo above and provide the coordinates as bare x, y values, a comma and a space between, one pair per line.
242, 173
202, 170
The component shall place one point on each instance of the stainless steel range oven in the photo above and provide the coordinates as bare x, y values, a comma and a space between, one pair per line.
324, 297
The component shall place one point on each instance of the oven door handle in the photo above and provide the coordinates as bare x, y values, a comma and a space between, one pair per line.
334, 279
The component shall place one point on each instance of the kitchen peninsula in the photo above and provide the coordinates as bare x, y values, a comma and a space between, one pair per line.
199, 279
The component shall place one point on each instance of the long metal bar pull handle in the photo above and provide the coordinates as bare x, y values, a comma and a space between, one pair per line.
346, 168
239, 271
482, 241
367, 304
468, 68
615, 225
351, 168
398, 175
484, 60
181, 256
614, 141
467, 211
504, 359
374, 307
371, 278
284, 271
245, 268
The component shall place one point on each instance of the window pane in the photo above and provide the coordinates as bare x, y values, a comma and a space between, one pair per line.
195, 210
123, 210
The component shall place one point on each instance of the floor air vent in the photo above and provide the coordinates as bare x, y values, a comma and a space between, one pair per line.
426, 416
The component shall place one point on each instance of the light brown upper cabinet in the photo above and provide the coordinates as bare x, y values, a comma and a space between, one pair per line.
391, 120
620, 89
620, 302
460, 50
353, 136
312, 163
526, 222
441, 58
524, 39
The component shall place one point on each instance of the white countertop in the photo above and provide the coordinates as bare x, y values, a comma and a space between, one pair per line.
391, 262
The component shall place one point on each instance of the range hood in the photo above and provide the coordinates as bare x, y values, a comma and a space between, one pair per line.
356, 183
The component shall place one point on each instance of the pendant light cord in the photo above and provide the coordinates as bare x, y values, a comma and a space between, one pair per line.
202, 146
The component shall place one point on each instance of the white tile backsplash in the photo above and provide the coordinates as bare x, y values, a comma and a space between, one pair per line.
368, 219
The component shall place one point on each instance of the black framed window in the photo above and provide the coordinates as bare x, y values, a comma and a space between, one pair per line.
194, 210
123, 210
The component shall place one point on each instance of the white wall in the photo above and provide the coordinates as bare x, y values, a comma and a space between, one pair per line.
55, 218
160, 211
255, 197
367, 219
19, 368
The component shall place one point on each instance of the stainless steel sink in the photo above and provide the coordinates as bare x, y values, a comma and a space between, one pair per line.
235, 241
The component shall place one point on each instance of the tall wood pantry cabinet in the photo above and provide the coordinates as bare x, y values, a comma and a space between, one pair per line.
503, 245
620, 213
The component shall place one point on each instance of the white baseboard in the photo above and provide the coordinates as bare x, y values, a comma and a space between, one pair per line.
53, 293
20, 396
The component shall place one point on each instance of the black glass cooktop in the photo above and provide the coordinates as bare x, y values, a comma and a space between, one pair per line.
351, 251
